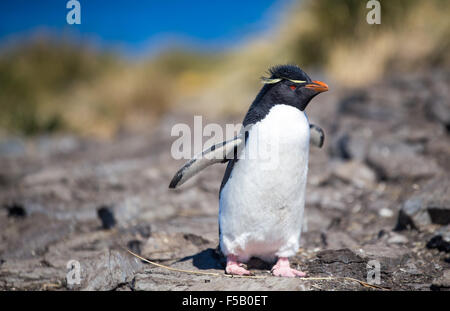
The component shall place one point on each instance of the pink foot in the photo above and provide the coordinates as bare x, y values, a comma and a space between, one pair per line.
235, 268
282, 268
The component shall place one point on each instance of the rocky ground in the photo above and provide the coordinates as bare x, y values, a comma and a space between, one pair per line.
378, 190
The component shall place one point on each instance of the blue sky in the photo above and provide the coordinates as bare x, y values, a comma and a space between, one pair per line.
137, 26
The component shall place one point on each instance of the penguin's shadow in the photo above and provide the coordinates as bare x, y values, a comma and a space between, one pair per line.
206, 259
210, 258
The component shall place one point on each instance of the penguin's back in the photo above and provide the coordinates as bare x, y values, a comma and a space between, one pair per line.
262, 198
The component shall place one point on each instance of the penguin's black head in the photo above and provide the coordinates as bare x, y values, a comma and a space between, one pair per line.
290, 85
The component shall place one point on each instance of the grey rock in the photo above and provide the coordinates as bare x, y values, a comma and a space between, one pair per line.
159, 281
339, 240
350, 145
356, 173
439, 147
333, 197
47, 175
340, 147
439, 243
439, 109
394, 160
162, 280
12, 147
444, 232
57, 145
30, 274
356, 104
442, 282
341, 263
344, 256
314, 219
412, 215
27, 239
390, 257
437, 197
430, 205
110, 268
397, 239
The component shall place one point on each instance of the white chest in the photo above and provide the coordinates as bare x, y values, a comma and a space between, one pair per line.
280, 142
275, 158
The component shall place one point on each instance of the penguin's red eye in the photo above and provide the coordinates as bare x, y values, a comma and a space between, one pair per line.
293, 87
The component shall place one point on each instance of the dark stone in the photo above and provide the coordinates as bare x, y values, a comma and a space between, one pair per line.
439, 243
107, 217
342, 255
342, 262
16, 210
144, 230
134, 246
353, 104
440, 216
382, 233
438, 109
430, 205
358, 104
323, 238
4, 180
404, 222
341, 148
334, 223
393, 160
195, 239
108, 270
12, 147
441, 283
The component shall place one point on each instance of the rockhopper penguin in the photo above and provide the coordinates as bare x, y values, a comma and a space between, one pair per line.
262, 195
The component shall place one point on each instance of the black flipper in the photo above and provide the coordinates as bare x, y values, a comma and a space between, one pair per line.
219, 153
317, 136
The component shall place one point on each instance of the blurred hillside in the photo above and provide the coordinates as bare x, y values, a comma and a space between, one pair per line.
49, 85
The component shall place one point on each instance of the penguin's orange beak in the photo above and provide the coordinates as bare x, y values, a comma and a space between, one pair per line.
317, 86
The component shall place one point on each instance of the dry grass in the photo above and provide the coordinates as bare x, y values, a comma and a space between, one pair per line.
332, 37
